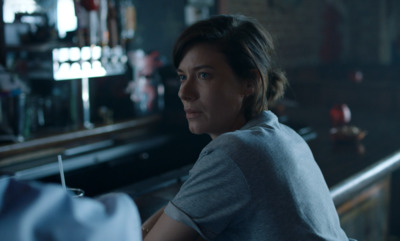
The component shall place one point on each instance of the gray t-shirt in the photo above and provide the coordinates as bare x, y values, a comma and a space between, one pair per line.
258, 183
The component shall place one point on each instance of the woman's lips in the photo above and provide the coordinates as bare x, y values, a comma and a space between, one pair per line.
191, 114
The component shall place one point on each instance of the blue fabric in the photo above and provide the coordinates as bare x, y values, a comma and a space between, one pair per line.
33, 211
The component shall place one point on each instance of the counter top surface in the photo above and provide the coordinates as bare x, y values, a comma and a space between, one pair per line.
339, 161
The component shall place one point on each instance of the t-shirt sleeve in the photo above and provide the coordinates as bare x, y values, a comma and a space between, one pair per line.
37, 211
214, 193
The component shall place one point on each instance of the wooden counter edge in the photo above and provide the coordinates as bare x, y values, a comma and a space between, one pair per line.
71, 136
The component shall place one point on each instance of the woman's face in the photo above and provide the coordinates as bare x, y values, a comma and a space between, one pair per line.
212, 95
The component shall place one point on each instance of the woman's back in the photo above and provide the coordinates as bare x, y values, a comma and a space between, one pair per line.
263, 183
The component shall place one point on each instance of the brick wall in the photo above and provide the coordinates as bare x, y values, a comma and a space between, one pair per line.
297, 41
320, 47
303, 30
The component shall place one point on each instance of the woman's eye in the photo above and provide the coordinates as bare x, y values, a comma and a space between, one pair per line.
181, 77
203, 75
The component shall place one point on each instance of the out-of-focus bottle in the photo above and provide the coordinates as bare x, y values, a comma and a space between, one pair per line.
112, 24
128, 20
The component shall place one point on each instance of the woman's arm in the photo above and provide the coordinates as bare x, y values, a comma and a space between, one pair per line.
160, 227
149, 223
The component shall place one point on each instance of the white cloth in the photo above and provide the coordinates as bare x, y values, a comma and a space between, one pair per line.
33, 211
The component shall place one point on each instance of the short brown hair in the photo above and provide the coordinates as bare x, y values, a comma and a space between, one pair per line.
247, 46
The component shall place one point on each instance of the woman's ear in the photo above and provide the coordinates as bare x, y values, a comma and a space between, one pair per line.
251, 83
249, 87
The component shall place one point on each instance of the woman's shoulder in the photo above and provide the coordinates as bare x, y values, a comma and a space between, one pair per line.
235, 145
262, 139
231, 139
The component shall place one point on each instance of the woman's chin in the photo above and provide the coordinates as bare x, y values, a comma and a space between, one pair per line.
195, 130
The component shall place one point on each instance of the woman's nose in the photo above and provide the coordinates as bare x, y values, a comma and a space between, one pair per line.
188, 91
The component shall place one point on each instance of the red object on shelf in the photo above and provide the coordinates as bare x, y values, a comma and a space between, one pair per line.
90, 5
340, 114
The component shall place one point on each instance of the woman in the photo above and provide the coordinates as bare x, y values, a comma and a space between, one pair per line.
257, 179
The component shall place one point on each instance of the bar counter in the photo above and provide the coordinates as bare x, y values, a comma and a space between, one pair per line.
350, 166
355, 172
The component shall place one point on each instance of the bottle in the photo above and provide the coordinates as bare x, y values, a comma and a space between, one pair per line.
112, 24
